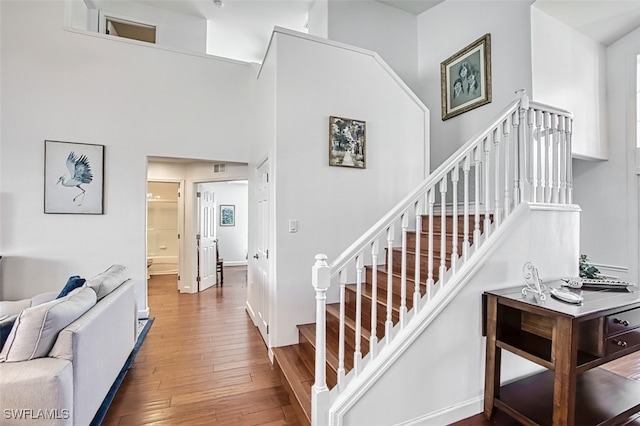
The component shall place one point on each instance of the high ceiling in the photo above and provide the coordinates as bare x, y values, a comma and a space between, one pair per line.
245, 26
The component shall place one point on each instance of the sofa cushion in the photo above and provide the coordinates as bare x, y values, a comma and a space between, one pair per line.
10, 309
37, 327
107, 281
72, 283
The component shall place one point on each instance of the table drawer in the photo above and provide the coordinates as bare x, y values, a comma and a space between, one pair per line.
622, 341
622, 321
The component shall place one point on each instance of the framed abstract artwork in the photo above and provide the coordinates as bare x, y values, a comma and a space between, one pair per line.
73, 178
227, 215
465, 78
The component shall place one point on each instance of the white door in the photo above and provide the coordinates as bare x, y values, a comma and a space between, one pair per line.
261, 252
206, 238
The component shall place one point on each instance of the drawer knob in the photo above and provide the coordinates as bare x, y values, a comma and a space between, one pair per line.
621, 322
620, 343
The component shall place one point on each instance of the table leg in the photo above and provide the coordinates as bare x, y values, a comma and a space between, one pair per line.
492, 360
564, 353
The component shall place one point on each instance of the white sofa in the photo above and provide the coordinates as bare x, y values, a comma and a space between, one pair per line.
68, 385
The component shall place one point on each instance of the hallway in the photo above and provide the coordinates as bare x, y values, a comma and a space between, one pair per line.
202, 363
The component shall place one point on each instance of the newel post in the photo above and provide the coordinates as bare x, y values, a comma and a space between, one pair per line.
320, 392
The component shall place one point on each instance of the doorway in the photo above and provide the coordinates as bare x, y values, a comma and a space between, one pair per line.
164, 227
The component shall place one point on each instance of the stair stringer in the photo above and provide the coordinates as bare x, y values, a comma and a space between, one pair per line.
545, 234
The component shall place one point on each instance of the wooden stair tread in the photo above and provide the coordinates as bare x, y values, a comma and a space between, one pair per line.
297, 375
308, 331
334, 310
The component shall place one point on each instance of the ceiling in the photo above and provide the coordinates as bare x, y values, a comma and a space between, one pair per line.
244, 27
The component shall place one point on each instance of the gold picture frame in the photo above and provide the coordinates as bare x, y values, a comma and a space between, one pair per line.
465, 78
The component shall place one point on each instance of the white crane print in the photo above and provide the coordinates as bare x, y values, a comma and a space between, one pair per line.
80, 172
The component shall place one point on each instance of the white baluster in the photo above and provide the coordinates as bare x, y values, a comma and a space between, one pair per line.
373, 342
443, 230
523, 148
357, 353
455, 177
507, 170
538, 195
531, 149
418, 250
487, 187
497, 211
476, 229
403, 272
389, 322
342, 336
562, 170
555, 158
431, 195
517, 163
569, 130
466, 244
548, 157
320, 392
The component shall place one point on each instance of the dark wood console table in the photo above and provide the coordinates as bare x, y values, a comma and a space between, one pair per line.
570, 341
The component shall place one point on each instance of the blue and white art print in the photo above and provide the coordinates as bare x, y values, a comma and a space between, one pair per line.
73, 178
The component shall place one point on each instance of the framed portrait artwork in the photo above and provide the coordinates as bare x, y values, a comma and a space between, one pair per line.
465, 78
227, 215
73, 178
347, 142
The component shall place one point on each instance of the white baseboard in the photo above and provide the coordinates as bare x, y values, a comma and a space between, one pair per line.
449, 415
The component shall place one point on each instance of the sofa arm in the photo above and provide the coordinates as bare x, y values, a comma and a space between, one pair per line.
39, 391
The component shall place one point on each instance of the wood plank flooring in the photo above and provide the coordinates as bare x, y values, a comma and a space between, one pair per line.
202, 363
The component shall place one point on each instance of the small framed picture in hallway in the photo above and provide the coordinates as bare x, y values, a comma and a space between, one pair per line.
465, 78
347, 142
227, 215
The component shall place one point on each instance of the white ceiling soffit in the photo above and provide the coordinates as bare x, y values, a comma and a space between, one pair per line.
605, 21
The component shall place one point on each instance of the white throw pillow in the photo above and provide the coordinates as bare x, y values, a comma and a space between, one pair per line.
107, 281
36, 328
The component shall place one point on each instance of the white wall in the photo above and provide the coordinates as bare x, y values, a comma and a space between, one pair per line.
135, 100
375, 26
440, 378
449, 27
333, 205
608, 191
173, 30
569, 71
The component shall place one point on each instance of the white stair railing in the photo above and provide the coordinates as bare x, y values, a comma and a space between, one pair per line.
524, 155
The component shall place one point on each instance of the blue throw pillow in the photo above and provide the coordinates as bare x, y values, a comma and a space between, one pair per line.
73, 283
5, 329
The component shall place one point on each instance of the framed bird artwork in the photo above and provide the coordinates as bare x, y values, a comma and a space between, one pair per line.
73, 178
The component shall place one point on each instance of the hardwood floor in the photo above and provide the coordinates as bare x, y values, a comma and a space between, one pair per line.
202, 363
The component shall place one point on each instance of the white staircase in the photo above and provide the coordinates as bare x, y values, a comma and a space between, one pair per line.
407, 267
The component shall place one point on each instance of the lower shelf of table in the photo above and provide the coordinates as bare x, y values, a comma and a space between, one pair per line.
602, 398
